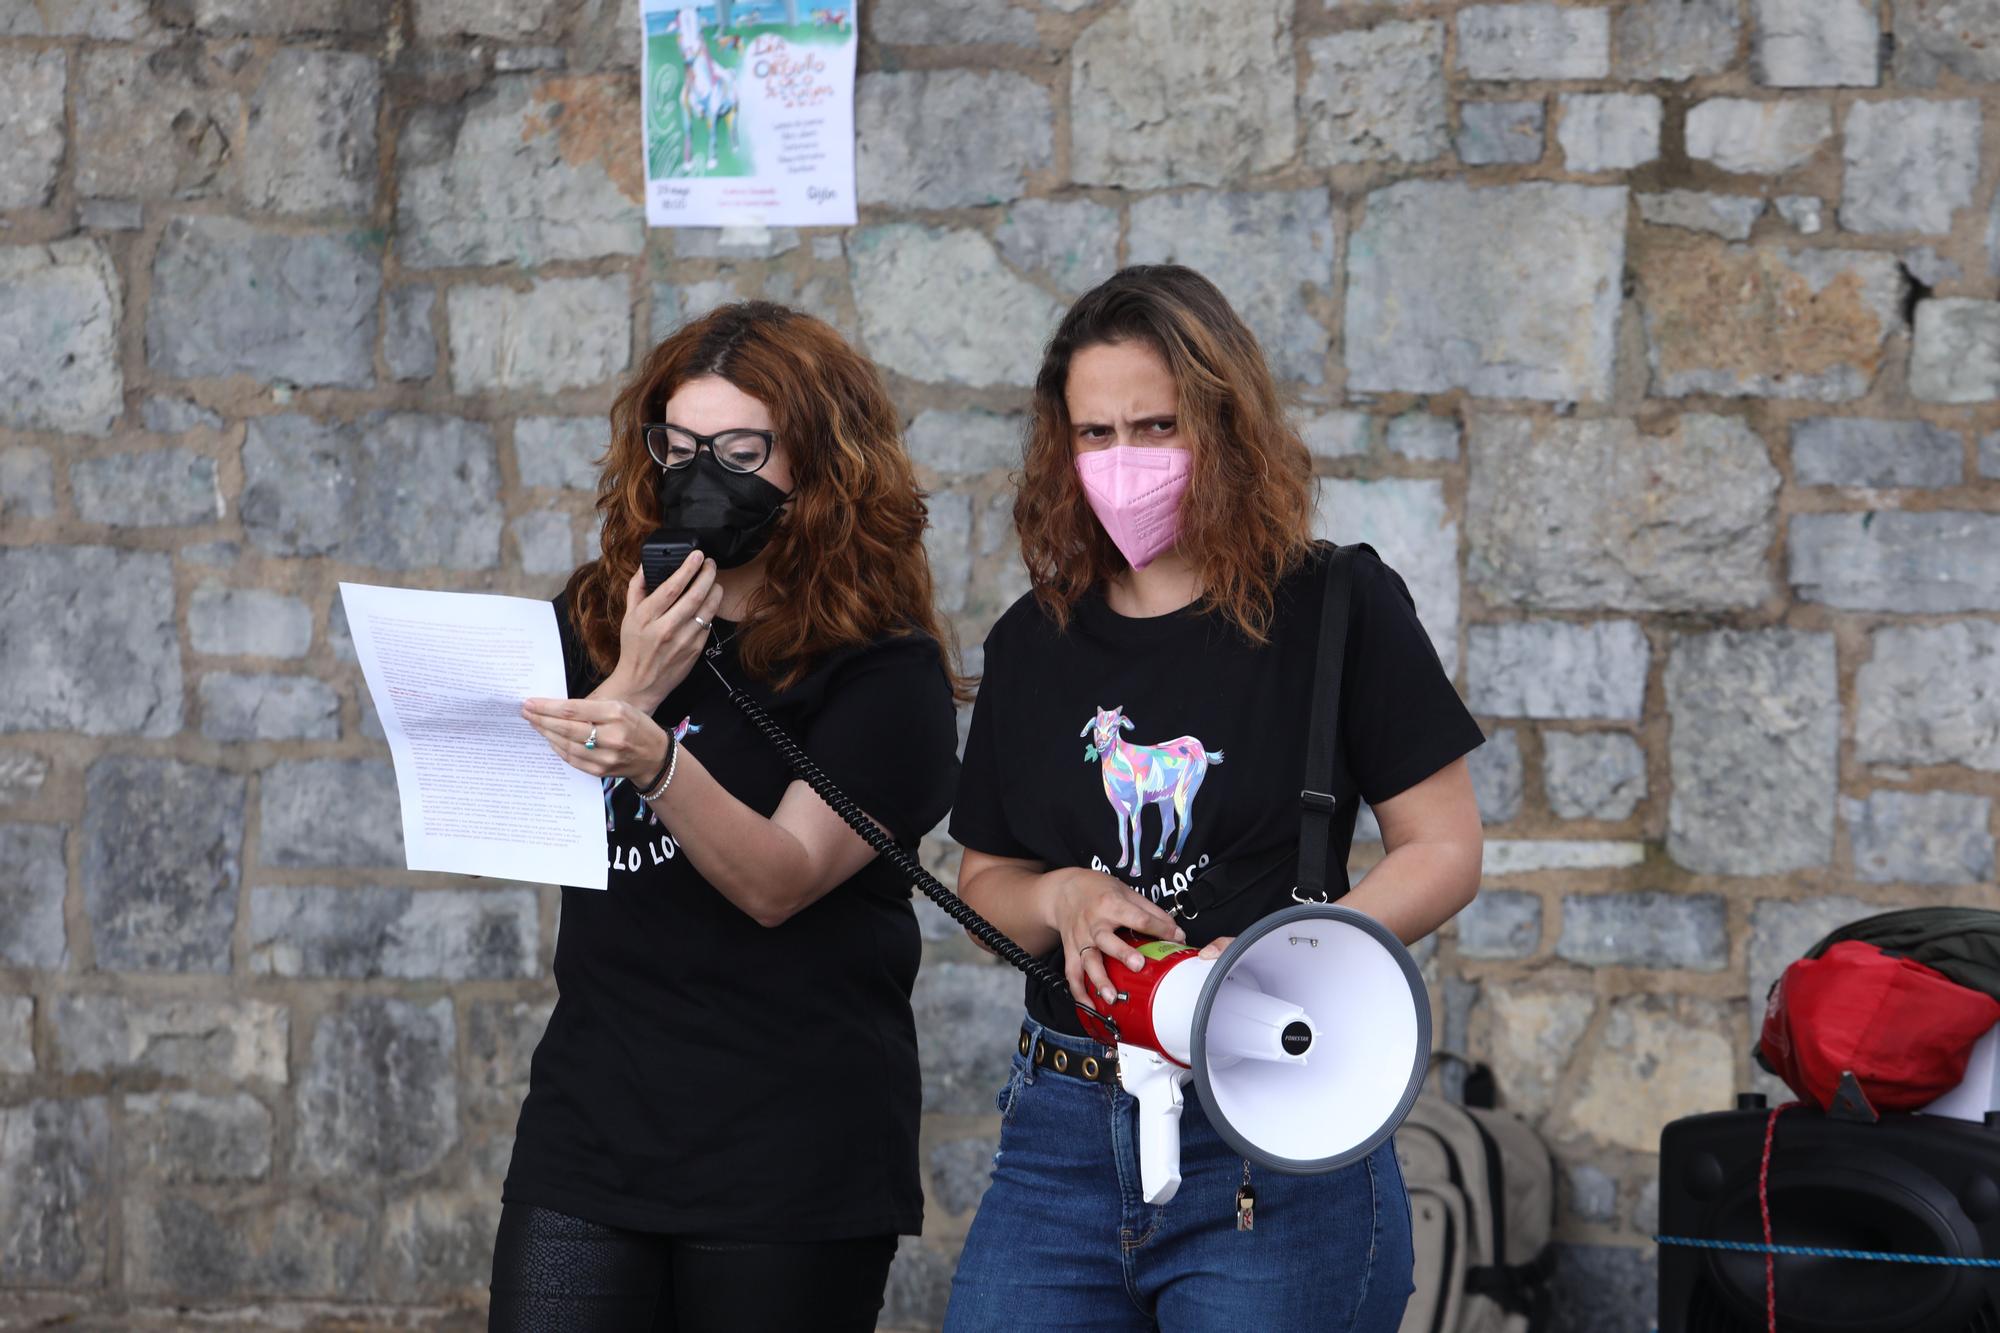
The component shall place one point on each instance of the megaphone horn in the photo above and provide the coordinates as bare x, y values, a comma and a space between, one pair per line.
1308, 1040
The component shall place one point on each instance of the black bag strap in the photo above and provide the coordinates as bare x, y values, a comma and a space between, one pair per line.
1329, 794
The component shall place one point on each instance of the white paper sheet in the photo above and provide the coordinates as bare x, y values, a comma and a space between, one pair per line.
482, 792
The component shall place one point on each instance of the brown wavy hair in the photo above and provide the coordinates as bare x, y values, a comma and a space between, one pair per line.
1246, 520
846, 560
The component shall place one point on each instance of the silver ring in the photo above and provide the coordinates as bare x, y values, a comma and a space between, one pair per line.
1086, 949
699, 621
590, 741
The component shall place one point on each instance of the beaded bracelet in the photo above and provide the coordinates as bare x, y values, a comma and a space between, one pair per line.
666, 774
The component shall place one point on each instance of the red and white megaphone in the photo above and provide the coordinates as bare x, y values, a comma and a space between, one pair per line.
1308, 1039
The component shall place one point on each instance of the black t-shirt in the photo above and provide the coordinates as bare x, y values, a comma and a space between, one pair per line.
1177, 725
705, 1074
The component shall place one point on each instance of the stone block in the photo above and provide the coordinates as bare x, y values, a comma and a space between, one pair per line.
22, 774
1073, 243
1605, 1289
167, 414
109, 616
1674, 39
1408, 522
1933, 36
1421, 436
377, 1098
27, 484
1754, 751
1593, 1196
1945, 560
960, 1170
951, 23
34, 874
228, 1247
1805, 212
1955, 351
1730, 216
675, 306
1557, 669
1911, 163
1508, 291
911, 284
110, 214
192, 1138
17, 1034
154, 122
965, 443
56, 1179
1500, 923
164, 488
331, 812
562, 333
1576, 514
1816, 43
216, 311
1213, 105
1269, 253
919, 1286
1608, 131
1758, 138
948, 544
1338, 434
1781, 932
1534, 41
949, 138
1521, 856
162, 856
1938, 837
1855, 451
531, 169
519, 21
1989, 457
1496, 776
735, 242
310, 147
32, 87
1533, 1035
450, 934
1376, 95
545, 542
1655, 1060
1930, 694
398, 490
1800, 323
1593, 775
409, 348
59, 318
500, 1041
248, 622
560, 452
247, 707
1646, 929
233, 1041
438, 1244
967, 1017
244, 18
1496, 133
111, 20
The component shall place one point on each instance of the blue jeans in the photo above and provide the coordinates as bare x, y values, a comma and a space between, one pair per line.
1063, 1240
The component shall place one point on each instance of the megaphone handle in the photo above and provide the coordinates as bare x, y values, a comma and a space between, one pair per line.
1155, 1083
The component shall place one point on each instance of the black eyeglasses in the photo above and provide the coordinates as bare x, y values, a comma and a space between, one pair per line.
739, 450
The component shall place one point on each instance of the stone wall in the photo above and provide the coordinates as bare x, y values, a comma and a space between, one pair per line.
1655, 342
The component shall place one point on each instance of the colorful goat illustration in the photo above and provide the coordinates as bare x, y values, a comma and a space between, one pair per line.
686, 729
1136, 776
708, 90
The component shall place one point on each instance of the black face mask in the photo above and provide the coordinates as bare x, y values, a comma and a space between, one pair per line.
731, 514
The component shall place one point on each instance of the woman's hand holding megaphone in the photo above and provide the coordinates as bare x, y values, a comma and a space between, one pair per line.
1087, 908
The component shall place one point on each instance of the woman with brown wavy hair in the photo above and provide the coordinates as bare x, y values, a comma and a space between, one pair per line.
720, 1130
1165, 516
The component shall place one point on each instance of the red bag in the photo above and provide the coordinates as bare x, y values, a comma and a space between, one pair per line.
1905, 1030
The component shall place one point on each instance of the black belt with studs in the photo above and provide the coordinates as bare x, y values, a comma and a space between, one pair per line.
1092, 1068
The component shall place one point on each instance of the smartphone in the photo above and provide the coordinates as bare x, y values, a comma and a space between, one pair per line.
664, 552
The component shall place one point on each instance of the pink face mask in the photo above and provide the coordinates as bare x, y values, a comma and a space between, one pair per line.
1136, 494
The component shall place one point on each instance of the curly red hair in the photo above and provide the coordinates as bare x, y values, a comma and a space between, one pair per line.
1246, 520
846, 561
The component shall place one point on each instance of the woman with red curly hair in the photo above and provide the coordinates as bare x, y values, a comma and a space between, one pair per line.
1165, 516
720, 1130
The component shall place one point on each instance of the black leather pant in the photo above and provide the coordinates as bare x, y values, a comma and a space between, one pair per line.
555, 1272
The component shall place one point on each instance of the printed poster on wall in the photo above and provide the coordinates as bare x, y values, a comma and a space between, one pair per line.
749, 113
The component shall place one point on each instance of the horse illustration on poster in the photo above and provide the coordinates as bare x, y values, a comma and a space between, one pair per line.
708, 91
1136, 776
